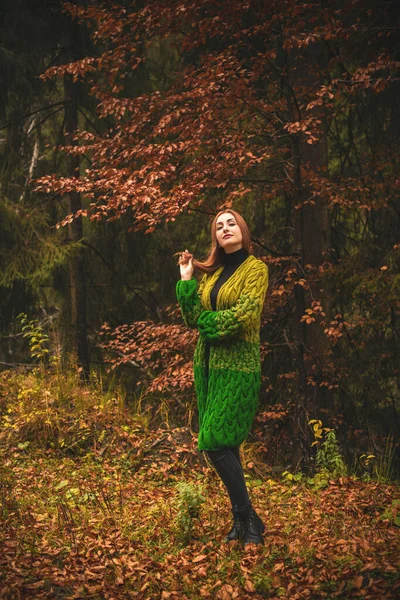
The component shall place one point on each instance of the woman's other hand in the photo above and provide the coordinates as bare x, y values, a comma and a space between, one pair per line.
186, 265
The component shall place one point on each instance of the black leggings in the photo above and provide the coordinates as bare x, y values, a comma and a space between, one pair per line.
229, 467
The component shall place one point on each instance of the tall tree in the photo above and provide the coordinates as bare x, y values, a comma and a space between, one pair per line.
302, 71
271, 101
30, 251
75, 233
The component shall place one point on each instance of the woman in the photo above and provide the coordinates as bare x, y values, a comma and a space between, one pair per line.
226, 309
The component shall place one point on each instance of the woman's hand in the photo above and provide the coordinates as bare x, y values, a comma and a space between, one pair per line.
186, 265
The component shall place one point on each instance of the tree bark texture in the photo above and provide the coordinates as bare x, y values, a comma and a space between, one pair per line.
77, 265
311, 241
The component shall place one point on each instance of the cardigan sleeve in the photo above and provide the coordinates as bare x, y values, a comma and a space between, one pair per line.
221, 324
189, 298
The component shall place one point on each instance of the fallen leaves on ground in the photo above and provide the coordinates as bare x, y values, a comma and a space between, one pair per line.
103, 525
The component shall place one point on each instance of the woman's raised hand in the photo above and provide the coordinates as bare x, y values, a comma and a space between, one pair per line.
186, 265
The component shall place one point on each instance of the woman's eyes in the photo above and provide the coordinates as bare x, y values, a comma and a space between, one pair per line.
230, 224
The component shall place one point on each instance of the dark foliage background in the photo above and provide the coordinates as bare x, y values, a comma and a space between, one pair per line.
142, 120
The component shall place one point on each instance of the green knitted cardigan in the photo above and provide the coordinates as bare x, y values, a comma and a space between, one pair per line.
227, 388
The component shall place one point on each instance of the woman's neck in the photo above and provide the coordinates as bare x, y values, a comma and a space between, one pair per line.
236, 257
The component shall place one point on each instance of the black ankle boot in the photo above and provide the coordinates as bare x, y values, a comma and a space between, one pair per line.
233, 534
251, 527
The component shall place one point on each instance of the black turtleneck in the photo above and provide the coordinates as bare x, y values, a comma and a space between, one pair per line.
231, 262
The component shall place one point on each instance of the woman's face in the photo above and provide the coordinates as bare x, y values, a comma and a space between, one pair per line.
229, 235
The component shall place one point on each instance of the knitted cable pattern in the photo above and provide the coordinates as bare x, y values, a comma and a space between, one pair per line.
227, 388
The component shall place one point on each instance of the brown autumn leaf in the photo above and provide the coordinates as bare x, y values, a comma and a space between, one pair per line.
249, 586
225, 592
357, 581
199, 558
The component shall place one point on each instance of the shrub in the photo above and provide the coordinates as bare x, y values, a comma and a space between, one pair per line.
190, 499
50, 409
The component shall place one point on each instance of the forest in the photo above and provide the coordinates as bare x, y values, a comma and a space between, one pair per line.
125, 127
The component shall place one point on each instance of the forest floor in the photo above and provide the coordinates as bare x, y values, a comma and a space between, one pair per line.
139, 514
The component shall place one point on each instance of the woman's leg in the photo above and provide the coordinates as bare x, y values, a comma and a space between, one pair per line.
248, 527
228, 466
236, 452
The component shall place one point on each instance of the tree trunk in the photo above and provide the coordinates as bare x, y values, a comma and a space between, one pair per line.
77, 267
312, 242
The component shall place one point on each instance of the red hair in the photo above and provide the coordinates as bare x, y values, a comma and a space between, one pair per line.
216, 255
